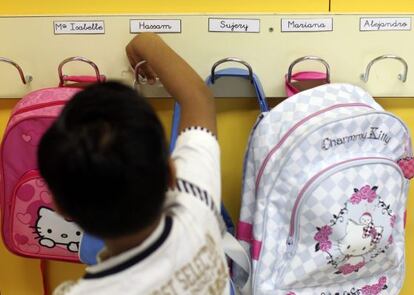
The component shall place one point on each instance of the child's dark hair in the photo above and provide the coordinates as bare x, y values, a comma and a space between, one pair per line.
105, 161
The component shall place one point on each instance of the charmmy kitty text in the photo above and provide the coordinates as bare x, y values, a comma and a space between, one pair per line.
374, 133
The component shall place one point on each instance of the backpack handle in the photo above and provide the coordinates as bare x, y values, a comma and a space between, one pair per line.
231, 59
25, 78
310, 77
303, 80
237, 72
80, 79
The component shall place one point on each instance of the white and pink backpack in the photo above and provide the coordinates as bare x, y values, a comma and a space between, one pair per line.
324, 196
30, 225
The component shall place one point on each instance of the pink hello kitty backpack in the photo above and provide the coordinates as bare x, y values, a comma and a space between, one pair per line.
324, 196
30, 225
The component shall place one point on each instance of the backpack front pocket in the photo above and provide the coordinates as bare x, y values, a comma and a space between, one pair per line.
36, 229
346, 224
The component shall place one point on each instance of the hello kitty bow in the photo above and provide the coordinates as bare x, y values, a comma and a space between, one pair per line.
370, 231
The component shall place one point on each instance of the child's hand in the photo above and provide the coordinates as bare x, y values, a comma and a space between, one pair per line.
137, 61
145, 71
177, 77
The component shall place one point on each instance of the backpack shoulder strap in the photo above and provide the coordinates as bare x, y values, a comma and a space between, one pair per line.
238, 255
243, 73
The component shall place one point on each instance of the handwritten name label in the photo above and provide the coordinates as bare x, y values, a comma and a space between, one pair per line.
78, 27
306, 25
385, 24
234, 25
155, 25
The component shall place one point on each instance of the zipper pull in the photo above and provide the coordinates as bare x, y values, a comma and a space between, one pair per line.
289, 247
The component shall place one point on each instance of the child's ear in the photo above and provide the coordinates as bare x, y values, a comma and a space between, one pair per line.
172, 176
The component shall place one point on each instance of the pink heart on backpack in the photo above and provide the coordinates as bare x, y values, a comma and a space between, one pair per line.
407, 167
26, 192
24, 218
26, 137
21, 239
46, 197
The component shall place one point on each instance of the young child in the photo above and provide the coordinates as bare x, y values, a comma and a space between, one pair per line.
107, 164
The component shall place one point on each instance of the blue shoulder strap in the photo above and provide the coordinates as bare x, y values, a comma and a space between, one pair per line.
228, 72
175, 126
89, 248
243, 73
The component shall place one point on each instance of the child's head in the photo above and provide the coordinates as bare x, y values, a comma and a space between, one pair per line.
106, 161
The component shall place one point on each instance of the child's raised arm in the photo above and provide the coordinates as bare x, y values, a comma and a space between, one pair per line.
180, 80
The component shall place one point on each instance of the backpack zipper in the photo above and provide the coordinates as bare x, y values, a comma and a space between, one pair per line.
39, 106
296, 126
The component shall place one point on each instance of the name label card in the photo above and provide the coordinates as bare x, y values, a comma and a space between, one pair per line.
367, 24
306, 25
234, 25
155, 25
78, 27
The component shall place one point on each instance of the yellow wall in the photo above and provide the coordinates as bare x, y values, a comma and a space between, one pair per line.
133, 6
385, 6
235, 116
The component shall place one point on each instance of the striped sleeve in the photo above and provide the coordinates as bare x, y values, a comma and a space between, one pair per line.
197, 160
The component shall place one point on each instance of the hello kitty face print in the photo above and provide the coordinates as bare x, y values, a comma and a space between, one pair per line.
54, 230
356, 243
37, 230
364, 221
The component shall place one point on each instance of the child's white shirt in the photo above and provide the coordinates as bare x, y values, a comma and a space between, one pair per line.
184, 254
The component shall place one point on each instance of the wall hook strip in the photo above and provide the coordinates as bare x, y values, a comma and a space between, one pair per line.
402, 77
25, 78
231, 59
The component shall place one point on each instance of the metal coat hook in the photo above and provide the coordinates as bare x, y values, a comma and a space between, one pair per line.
309, 57
25, 78
402, 77
231, 59
99, 78
139, 80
